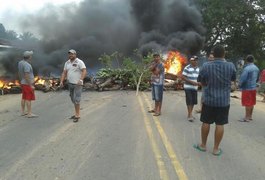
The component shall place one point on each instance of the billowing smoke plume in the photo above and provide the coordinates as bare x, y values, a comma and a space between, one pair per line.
94, 27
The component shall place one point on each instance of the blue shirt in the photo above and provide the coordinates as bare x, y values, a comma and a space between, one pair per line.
249, 77
216, 77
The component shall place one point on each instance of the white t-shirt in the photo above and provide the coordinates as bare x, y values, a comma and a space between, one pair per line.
74, 70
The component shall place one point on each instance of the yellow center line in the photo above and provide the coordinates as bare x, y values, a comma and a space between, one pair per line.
160, 163
170, 150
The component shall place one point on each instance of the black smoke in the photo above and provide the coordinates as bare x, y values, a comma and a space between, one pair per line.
94, 27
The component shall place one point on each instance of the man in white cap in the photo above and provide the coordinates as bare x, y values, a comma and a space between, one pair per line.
26, 77
75, 72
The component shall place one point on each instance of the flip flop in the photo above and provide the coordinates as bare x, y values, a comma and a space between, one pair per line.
151, 111
218, 153
243, 120
76, 119
24, 114
156, 114
199, 148
32, 116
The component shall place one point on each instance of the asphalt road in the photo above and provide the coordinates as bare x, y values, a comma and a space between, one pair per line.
116, 139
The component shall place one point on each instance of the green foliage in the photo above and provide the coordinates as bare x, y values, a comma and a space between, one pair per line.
132, 68
238, 24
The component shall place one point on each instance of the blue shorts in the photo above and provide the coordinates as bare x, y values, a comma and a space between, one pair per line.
157, 93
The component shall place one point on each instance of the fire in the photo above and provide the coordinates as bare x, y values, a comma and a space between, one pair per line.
4, 84
39, 80
174, 62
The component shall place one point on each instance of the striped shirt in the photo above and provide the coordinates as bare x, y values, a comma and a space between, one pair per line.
216, 77
192, 74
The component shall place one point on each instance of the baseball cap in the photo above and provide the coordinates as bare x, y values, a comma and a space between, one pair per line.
193, 58
72, 51
28, 53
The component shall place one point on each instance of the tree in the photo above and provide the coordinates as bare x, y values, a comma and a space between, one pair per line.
238, 24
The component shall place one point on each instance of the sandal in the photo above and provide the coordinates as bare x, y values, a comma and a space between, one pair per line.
151, 111
156, 114
199, 148
32, 116
243, 120
218, 153
76, 119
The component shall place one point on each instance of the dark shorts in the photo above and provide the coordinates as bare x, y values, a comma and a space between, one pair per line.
191, 97
157, 93
27, 92
217, 115
75, 93
248, 98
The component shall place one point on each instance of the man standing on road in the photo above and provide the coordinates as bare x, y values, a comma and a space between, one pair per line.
26, 77
157, 82
190, 76
216, 77
75, 72
248, 84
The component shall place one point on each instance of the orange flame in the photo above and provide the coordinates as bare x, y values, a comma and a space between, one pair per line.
174, 62
8, 84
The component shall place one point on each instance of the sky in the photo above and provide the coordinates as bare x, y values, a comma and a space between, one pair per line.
11, 10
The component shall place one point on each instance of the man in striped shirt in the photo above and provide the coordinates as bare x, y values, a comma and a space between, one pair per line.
215, 77
190, 75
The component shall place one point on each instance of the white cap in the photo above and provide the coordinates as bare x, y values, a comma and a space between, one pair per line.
27, 54
72, 51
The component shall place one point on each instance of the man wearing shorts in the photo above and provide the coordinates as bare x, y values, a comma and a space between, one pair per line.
215, 77
75, 72
26, 77
157, 83
248, 84
190, 75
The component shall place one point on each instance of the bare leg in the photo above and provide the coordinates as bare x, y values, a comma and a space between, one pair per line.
251, 112
77, 110
190, 108
205, 129
23, 106
159, 107
28, 104
218, 136
248, 112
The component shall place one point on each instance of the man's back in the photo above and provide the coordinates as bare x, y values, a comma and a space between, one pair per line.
249, 77
216, 76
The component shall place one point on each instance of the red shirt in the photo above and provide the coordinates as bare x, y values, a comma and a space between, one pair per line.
262, 76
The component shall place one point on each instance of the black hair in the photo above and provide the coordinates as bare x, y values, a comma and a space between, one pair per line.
250, 58
219, 51
156, 55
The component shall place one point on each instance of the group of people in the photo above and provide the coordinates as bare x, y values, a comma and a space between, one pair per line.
215, 77
74, 71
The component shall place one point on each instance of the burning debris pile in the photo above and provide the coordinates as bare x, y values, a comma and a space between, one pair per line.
44, 84
130, 76
9, 87
47, 84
